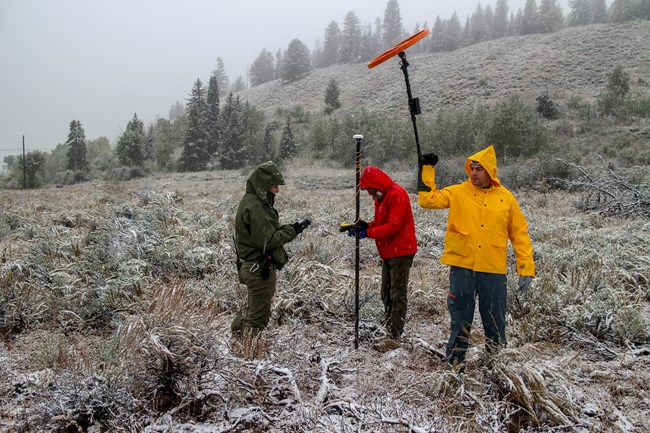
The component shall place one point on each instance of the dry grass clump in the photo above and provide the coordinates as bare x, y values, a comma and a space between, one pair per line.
534, 394
170, 345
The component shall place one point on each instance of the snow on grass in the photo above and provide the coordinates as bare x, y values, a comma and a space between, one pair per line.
118, 298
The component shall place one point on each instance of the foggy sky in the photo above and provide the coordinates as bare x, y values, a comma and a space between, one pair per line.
101, 61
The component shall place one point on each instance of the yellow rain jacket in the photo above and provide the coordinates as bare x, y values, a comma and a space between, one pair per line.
480, 221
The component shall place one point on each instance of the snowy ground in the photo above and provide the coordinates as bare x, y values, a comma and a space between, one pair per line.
117, 300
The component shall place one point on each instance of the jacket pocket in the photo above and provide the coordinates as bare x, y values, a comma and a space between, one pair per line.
456, 242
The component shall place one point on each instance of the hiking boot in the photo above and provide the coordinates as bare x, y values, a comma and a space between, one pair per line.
386, 345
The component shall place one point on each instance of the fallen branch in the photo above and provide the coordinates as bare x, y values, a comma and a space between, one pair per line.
607, 192
405, 423
321, 396
426, 346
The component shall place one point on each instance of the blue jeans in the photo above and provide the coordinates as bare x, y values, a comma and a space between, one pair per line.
464, 286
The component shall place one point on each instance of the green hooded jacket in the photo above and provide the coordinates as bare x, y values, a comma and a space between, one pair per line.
257, 228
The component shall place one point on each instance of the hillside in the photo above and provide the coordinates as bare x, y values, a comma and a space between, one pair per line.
572, 62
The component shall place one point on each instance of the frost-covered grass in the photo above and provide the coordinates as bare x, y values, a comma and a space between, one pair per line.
116, 301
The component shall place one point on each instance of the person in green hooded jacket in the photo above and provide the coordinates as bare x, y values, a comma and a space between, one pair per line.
260, 241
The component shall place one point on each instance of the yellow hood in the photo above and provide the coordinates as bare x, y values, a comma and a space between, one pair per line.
488, 159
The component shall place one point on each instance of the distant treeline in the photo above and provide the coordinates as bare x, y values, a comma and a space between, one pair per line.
354, 42
210, 134
233, 135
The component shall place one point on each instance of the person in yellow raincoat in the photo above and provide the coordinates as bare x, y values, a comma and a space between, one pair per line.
483, 216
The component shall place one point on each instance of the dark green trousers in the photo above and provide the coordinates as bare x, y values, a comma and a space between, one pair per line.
464, 286
257, 313
394, 286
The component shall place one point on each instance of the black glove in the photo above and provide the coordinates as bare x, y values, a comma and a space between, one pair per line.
362, 234
429, 159
300, 226
361, 225
347, 227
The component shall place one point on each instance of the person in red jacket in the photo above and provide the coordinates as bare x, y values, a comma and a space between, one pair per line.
393, 230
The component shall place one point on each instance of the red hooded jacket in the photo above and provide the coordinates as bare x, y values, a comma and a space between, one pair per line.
392, 228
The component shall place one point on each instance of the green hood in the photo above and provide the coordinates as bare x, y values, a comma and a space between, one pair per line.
257, 228
262, 178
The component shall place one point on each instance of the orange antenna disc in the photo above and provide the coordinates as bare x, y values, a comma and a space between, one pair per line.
401, 46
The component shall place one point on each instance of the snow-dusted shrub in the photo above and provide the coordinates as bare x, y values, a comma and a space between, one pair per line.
170, 345
77, 400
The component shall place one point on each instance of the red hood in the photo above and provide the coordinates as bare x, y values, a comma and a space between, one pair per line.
375, 178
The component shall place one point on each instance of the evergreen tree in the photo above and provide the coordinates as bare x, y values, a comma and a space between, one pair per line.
238, 85
331, 46
296, 62
351, 39
615, 96
212, 117
623, 10
454, 34
318, 137
77, 151
222, 77
279, 64
370, 44
479, 25
262, 69
644, 10
267, 152
516, 23
253, 122
580, 13
585, 12
530, 18
599, 11
500, 27
332, 97
488, 14
196, 155
467, 32
551, 18
166, 136
149, 145
232, 155
421, 47
177, 110
393, 31
130, 145
437, 35
546, 107
288, 148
